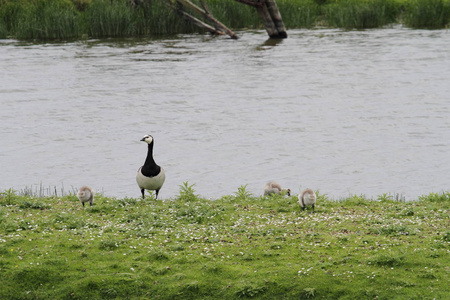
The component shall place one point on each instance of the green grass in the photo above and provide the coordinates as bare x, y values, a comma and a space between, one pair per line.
429, 14
103, 18
3, 30
299, 13
109, 19
361, 14
47, 20
238, 246
74, 19
234, 15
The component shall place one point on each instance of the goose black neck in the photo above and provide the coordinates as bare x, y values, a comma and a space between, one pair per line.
150, 168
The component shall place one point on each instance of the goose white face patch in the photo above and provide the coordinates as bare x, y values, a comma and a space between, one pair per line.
148, 139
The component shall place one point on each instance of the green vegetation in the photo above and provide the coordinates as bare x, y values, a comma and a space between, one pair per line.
300, 13
361, 14
74, 19
431, 14
238, 246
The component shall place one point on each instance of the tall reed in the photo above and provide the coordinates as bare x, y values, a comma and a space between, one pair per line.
234, 14
295, 13
3, 30
430, 14
156, 18
360, 14
118, 18
68, 19
9, 12
299, 13
48, 19
81, 5
106, 18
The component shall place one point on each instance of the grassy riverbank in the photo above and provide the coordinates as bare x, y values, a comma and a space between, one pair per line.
74, 19
238, 246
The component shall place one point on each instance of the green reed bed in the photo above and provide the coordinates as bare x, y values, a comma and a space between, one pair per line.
73, 19
299, 13
237, 246
63, 19
9, 13
429, 14
3, 30
360, 14
155, 18
104, 18
48, 19
234, 14
109, 19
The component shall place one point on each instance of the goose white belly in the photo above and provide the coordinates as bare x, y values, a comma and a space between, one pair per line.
150, 183
269, 191
307, 198
272, 188
85, 194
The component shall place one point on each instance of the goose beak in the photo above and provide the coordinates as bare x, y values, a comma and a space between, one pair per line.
142, 140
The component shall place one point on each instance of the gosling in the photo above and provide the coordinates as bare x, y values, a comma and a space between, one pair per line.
85, 194
273, 187
307, 198
150, 176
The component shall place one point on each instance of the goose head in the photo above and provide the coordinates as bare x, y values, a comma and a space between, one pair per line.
148, 139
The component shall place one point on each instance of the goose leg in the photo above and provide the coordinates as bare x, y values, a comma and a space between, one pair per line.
157, 191
143, 193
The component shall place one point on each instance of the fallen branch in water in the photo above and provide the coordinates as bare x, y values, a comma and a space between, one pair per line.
217, 28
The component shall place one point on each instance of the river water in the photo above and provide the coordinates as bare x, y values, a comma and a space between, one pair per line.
342, 112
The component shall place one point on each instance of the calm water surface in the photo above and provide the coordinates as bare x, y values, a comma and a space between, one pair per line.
343, 112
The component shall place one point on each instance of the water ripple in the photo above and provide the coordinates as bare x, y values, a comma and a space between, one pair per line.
344, 112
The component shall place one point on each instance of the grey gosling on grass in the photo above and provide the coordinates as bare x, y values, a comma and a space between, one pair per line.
150, 176
307, 198
273, 187
85, 194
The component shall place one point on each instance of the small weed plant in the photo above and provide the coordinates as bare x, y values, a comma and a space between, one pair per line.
187, 192
242, 193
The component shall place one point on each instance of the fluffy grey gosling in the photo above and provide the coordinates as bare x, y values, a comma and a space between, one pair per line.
85, 194
273, 187
150, 176
307, 198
